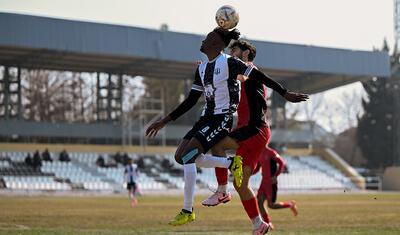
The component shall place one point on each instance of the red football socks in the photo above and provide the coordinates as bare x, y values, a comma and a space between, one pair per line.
251, 208
222, 175
266, 218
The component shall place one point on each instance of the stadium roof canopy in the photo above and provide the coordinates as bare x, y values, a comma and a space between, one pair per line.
57, 44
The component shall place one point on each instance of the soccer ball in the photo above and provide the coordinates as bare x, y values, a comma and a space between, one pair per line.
227, 17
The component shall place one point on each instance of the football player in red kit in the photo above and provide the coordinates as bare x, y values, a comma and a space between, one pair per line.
249, 138
272, 165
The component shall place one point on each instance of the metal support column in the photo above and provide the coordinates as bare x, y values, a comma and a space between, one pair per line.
98, 97
120, 93
6, 92
19, 105
109, 98
121, 114
161, 114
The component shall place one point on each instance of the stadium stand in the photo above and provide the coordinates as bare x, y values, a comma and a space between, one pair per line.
304, 173
157, 172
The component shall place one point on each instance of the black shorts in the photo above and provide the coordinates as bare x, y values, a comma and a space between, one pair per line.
131, 185
209, 130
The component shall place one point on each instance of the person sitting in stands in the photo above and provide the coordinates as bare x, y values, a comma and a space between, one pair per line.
117, 157
140, 163
28, 160
125, 159
64, 157
37, 160
100, 161
166, 164
46, 156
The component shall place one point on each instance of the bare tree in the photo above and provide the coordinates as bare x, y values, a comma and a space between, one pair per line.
306, 110
350, 107
54, 96
41, 95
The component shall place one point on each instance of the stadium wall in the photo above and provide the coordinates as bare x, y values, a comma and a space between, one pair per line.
31, 147
16, 147
391, 178
298, 151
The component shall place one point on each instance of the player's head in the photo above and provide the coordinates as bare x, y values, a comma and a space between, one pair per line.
243, 50
130, 161
218, 39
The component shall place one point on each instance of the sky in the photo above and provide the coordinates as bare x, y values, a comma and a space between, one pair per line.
348, 24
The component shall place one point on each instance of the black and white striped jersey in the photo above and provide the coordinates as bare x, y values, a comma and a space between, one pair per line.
217, 79
131, 173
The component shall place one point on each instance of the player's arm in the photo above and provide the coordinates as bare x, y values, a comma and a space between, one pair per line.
269, 82
281, 162
244, 133
251, 72
186, 105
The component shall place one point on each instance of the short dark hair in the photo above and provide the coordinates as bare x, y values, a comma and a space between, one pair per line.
245, 45
227, 35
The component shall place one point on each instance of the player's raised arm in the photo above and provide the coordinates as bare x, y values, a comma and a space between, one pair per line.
269, 82
251, 72
186, 105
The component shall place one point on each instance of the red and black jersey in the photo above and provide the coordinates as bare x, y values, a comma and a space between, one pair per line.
251, 110
252, 104
271, 163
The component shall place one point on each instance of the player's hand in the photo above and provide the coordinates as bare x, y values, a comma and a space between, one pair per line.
295, 97
242, 78
153, 129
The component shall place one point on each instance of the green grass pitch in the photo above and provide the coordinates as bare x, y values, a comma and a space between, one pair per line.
322, 214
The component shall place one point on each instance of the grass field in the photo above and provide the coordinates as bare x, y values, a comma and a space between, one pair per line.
344, 214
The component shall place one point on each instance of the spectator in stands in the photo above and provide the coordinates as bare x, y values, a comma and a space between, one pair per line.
166, 164
118, 158
46, 156
125, 159
169, 166
64, 157
28, 160
100, 161
140, 163
37, 160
